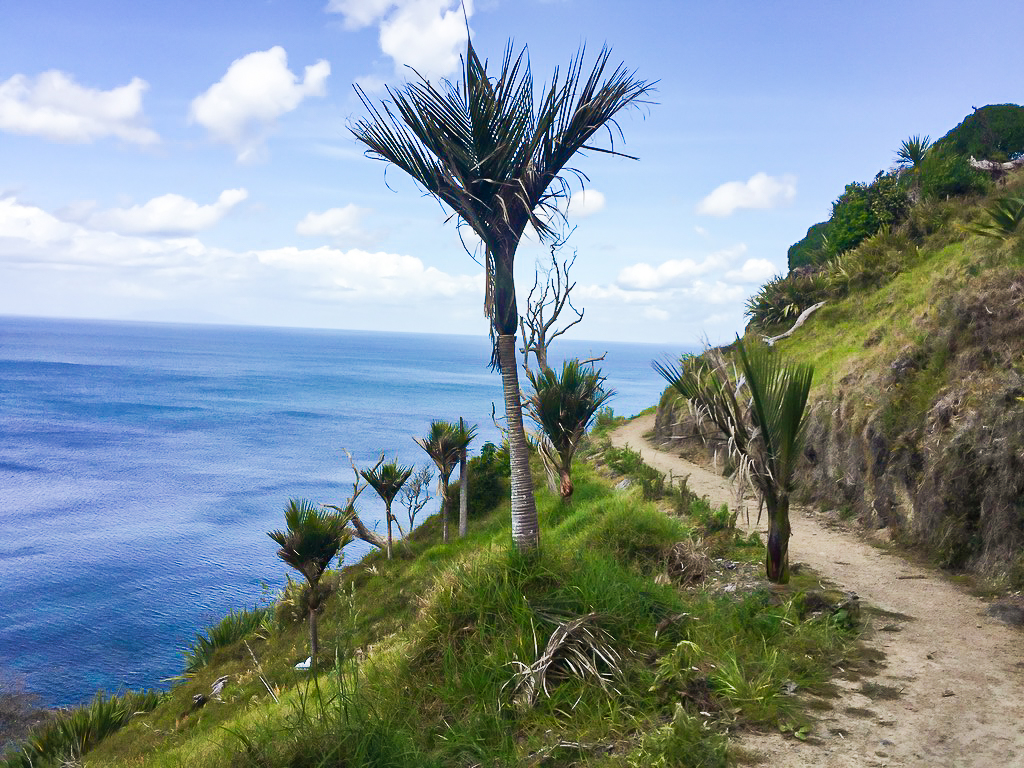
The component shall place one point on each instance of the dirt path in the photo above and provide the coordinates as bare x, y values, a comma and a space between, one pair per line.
959, 674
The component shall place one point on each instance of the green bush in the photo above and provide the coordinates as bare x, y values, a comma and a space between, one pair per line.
488, 478
810, 250
871, 264
995, 132
227, 631
782, 299
63, 740
945, 174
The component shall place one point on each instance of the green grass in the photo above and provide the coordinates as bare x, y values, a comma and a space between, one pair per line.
430, 650
228, 631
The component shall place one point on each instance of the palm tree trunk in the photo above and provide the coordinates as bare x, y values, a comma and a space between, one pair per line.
565, 485
777, 561
525, 528
387, 508
463, 493
314, 638
442, 493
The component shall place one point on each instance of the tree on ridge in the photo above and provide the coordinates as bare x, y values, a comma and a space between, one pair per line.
496, 155
442, 445
387, 479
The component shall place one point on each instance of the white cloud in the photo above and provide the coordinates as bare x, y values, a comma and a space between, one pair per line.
334, 222
760, 191
643, 276
585, 203
55, 107
427, 35
656, 313
31, 238
166, 215
752, 271
257, 89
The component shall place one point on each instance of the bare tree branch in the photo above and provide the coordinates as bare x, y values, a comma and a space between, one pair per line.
355, 525
544, 306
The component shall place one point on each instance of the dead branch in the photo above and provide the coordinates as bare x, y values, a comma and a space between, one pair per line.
799, 321
536, 326
355, 525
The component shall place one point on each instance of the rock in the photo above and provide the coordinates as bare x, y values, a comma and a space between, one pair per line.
1009, 609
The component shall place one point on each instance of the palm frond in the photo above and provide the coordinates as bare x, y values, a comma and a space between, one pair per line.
313, 537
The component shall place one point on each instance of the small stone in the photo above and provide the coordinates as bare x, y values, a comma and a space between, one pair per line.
947, 693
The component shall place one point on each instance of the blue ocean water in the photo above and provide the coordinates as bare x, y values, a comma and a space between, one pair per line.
141, 466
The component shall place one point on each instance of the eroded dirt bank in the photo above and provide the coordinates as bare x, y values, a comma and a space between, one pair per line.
950, 690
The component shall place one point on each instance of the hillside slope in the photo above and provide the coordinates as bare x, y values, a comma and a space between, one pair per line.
917, 422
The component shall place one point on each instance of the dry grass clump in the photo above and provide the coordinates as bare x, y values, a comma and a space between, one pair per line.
687, 563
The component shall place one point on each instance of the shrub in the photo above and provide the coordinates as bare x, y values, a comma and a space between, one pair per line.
782, 299
995, 132
488, 478
227, 631
945, 174
810, 250
873, 263
71, 734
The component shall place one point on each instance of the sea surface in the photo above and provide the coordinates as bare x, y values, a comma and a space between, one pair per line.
141, 466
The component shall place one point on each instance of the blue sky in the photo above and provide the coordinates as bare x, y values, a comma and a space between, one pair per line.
191, 162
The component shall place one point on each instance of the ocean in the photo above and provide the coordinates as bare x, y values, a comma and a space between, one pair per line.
141, 466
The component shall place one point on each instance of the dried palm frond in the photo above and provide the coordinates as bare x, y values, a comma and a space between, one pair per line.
577, 647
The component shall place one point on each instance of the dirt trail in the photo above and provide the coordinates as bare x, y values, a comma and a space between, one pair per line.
959, 674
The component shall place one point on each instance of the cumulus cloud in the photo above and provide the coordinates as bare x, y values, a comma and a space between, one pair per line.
760, 191
53, 106
257, 89
645, 277
427, 35
33, 238
337, 223
585, 203
753, 271
166, 215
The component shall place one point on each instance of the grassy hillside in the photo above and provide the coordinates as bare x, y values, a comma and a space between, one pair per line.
918, 399
601, 650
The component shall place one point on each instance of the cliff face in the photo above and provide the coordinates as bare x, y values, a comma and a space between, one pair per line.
917, 415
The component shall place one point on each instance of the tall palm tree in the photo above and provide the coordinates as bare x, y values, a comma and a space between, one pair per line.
313, 537
495, 153
563, 406
442, 446
387, 479
764, 429
464, 436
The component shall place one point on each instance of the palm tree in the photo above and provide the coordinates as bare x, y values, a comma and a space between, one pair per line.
387, 479
464, 436
488, 150
313, 538
912, 151
563, 406
442, 445
765, 434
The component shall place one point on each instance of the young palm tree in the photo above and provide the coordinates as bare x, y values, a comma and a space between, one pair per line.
313, 538
464, 436
442, 445
912, 151
563, 406
764, 434
387, 479
494, 151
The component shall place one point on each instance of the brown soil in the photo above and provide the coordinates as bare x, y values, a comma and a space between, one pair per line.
950, 689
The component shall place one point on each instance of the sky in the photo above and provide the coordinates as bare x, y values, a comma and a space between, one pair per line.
192, 161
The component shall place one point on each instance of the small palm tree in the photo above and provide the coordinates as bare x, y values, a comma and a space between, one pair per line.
765, 429
464, 436
563, 406
912, 151
442, 446
313, 538
496, 152
387, 479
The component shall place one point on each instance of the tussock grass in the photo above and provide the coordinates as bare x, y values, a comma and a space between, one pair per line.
228, 631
